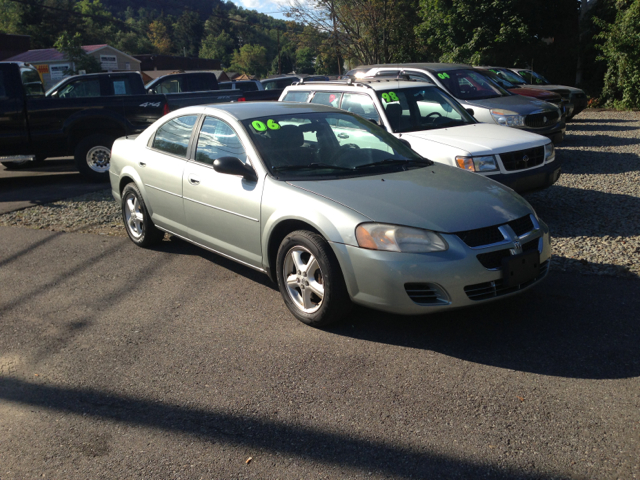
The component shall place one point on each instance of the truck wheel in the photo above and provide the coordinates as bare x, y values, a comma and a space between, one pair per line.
23, 164
92, 157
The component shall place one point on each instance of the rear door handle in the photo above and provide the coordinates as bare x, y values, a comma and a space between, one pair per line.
193, 180
142, 164
343, 135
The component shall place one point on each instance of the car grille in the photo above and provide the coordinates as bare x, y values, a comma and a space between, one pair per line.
493, 260
540, 120
489, 235
523, 159
486, 290
425, 293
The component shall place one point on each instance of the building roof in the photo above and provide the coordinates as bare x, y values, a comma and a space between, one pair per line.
53, 55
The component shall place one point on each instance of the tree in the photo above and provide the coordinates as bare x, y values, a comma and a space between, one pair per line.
95, 22
251, 59
158, 36
218, 47
10, 16
305, 60
187, 34
71, 47
621, 51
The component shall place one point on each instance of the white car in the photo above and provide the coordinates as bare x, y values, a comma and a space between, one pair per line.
439, 128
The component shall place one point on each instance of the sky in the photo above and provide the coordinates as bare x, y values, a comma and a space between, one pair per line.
270, 7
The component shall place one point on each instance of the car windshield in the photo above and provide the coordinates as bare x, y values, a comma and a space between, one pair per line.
538, 79
509, 76
491, 74
422, 108
470, 85
327, 145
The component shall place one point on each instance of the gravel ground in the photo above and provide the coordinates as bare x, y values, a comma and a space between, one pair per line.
593, 210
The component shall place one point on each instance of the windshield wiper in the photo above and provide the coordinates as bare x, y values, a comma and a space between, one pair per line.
392, 161
311, 166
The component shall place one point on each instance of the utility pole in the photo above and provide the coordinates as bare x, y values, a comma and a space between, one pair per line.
279, 62
335, 36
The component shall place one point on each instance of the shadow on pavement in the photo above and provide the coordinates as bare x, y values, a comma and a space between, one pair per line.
570, 325
269, 435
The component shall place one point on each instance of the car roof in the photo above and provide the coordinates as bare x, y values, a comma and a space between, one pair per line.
374, 84
432, 67
245, 110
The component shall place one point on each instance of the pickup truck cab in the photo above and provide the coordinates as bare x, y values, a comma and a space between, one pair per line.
490, 102
98, 85
77, 119
439, 128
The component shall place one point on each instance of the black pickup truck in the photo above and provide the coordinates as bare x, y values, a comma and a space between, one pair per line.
34, 126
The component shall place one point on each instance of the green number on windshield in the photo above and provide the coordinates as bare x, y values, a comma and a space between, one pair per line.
259, 126
390, 97
443, 75
272, 125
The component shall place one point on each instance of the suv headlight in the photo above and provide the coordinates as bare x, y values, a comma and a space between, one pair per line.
507, 118
478, 164
394, 238
549, 152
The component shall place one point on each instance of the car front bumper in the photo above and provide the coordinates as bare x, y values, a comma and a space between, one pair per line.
531, 179
414, 284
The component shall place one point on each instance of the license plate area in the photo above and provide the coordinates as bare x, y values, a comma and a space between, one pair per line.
519, 269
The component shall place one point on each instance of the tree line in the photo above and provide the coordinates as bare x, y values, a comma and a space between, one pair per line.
597, 41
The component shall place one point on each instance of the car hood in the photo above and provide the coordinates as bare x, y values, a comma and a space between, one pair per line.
516, 103
481, 138
439, 198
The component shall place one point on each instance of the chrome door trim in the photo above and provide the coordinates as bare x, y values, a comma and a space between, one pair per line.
221, 209
211, 249
163, 190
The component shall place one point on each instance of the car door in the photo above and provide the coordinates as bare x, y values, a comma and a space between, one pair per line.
14, 135
222, 211
161, 172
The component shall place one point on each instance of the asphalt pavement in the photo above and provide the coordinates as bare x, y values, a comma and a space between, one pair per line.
54, 179
119, 362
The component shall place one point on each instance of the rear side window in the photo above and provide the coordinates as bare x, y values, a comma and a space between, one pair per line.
360, 105
332, 99
31, 83
121, 86
172, 85
173, 137
199, 83
297, 97
247, 86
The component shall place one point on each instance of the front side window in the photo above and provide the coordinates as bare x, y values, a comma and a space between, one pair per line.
81, 89
470, 85
327, 145
217, 139
297, 97
360, 105
173, 137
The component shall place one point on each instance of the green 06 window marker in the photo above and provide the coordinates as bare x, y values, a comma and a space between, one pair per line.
258, 126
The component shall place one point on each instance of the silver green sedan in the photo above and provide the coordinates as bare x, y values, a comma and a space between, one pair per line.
332, 207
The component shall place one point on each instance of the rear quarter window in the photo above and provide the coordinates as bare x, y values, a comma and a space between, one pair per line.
173, 137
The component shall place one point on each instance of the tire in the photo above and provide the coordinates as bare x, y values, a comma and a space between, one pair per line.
310, 280
92, 157
136, 218
24, 164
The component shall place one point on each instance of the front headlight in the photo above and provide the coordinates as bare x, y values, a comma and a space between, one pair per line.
507, 118
478, 164
394, 238
549, 152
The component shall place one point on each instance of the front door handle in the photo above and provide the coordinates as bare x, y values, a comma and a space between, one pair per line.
142, 164
194, 180
343, 135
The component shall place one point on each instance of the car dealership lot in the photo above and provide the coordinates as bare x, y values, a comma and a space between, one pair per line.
117, 362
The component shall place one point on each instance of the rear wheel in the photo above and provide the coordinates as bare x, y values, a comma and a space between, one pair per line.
93, 156
310, 280
137, 220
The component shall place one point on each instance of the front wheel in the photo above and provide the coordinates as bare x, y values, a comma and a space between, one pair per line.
93, 156
136, 218
310, 280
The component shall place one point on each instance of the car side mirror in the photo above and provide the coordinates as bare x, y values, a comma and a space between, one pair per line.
470, 111
403, 141
233, 166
